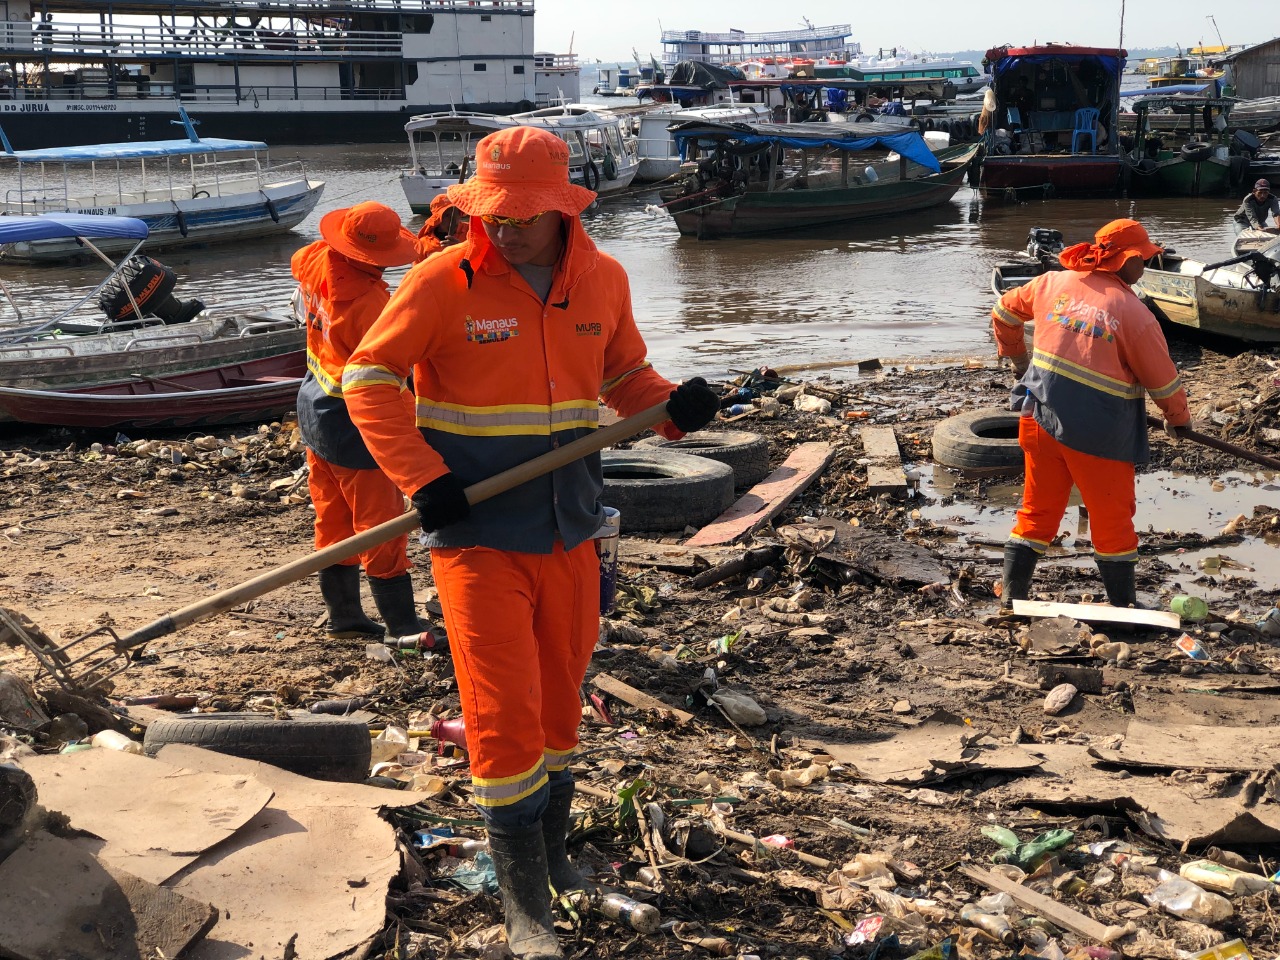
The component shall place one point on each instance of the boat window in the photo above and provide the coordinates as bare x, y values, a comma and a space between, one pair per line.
479, 67
575, 148
614, 140
518, 68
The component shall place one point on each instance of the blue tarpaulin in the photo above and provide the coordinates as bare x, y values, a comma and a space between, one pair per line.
145, 149
850, 137
1111, 64
53, 226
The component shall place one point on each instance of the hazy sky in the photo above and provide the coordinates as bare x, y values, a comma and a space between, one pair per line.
608, 31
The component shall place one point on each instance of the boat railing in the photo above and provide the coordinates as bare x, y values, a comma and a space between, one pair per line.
204, 41
260, 327
177, 337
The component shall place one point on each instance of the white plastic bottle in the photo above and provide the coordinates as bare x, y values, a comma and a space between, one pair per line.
1224, 879
1184, 899
114, 740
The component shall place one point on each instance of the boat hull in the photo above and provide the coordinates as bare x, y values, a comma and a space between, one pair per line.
238, 393
274, 209
1059, 174
1196, 302
1175, 177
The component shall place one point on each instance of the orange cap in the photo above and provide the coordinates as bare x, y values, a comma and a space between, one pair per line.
371, 233
520, 172
1113, 245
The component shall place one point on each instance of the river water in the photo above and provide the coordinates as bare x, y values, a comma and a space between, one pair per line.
913, 287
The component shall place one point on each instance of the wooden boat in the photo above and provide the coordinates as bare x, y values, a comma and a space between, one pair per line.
1192, 160
1237, 298
237, 393
1249, 239
55, 339
1043, 247
1033, 148
186, 191
743, 179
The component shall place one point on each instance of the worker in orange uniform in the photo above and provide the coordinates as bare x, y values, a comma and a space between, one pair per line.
1097, 348
341, 292
512, 339
445, 225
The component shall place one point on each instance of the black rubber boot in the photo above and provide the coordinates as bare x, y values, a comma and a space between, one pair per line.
520, 862
1118, 576
555, 832
1019, 568
340, 587
394, 600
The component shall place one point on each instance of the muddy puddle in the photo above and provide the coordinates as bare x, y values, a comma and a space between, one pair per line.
1168, 502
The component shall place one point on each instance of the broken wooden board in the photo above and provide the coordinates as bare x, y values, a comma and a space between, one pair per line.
767, 498
886, 559
941, 747
638, 698
1042, 906
61, 902
1194, 747
884, 472
672, 556
154, 819
1098, 612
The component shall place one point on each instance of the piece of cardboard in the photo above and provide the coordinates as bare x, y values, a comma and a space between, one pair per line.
1195, 747
941, 747
59, 902
154, 819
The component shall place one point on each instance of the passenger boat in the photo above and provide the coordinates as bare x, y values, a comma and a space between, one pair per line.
51, 338
601, 156
251, 390
187, 191
442, 151
1046, 144
1237, 298
1191, 161
287, 71
742, 179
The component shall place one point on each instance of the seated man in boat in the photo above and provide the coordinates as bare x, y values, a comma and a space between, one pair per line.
341, 290
1257, 207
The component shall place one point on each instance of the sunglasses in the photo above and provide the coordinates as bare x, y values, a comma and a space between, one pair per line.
517, 222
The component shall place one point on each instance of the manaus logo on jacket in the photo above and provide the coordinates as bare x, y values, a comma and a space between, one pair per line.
491, 331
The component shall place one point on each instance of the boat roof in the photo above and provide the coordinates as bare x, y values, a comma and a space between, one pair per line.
1168, 90
142, 150
849, 137
572, 120
1055, 50
52, 226
454, 122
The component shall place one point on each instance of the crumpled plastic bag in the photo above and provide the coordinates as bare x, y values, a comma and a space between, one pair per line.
739, 708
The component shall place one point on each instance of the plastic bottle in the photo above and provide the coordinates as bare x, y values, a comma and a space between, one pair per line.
642, 917
870, 173
1189, 608
114, 740
1224, 879
1184, 899
450, 731
1269, 626
998, 927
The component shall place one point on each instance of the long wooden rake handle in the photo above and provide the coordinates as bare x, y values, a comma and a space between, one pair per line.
1244, 453
305, 566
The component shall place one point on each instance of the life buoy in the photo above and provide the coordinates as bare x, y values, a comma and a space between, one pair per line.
591, 176
271, 209
609, 165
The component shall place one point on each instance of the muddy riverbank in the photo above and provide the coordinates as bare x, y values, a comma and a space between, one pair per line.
854, 642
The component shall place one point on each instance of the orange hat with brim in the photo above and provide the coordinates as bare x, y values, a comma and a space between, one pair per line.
369, 233
520, 173
1112, 246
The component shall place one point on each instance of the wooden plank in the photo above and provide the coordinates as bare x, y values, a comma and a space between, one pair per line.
767, 498
167, 922
884, 472
1043, 906
672, 556
638, 698
1098, 612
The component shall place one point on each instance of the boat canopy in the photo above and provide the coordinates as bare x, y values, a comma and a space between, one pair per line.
458, 123
143, 150
59, 226
1195, 89
1111, 60
849, 137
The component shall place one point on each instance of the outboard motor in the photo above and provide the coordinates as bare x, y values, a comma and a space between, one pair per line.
151, 284
1043, 243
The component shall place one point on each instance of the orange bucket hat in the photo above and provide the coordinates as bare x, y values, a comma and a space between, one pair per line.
370, 233
1113, 245
520, 172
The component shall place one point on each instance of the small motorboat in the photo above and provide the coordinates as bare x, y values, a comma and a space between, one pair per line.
1043, 247
1249, 240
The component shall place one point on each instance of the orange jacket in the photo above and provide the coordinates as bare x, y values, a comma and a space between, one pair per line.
1096, 348
501, 378
339, 300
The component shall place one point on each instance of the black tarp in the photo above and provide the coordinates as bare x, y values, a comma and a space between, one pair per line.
695, 73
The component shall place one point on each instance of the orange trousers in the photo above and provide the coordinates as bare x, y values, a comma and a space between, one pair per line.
350, 501
521, 630
1106, 486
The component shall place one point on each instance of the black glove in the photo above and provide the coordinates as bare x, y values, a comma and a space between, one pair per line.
441, 502
692, 405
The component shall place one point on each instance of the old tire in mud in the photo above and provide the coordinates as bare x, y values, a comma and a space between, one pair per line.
747, 454
980, 443
330, 748
656, 490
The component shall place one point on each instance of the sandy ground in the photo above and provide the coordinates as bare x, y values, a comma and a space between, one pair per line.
97, 536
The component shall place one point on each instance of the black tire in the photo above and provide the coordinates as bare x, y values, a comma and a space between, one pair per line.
330, 748
1196, 151
747, 454
979, 443
659, 491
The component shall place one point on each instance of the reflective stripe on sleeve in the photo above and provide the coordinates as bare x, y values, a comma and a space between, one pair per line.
1168, 390
610, 384
354, 378
1007, 316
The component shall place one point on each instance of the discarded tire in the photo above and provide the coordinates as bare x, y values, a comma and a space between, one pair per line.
1196, 151
747, 454
330, 748
979, 442
656, 490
